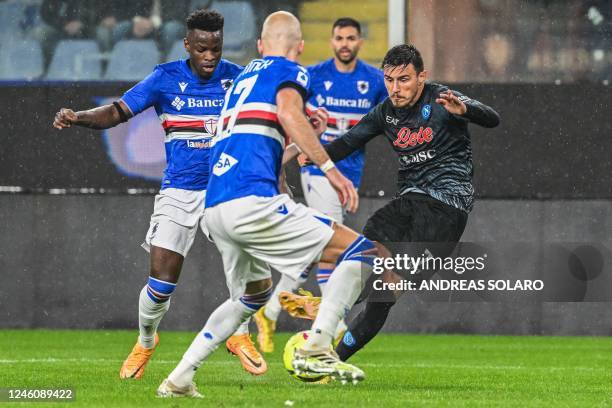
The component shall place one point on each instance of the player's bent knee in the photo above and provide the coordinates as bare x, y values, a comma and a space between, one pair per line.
166, 265
361, 250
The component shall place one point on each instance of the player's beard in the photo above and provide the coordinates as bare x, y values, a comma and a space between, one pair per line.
346, 60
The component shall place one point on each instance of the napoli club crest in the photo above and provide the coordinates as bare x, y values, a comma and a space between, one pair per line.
363, 87
426, 112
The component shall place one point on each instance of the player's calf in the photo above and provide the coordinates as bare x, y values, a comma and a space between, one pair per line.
221, 324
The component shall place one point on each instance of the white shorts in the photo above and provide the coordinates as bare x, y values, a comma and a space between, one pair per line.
176, 216
256, 233
321, 196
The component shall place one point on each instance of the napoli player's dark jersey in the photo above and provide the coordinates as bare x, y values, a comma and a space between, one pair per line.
348, 97
249, 144
433, 145
188, 108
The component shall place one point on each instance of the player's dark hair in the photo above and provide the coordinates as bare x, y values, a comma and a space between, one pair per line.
205, 20
347, 22
401, 56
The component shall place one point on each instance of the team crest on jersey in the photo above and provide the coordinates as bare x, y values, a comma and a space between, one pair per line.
226, 84
342, 124
363, 87
225, 163
328, 85
211, 126
182, 85
426, 112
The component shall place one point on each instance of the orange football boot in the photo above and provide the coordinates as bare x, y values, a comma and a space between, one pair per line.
135, 363
242, 347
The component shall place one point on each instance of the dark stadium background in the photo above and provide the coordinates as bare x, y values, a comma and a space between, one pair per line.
71, 222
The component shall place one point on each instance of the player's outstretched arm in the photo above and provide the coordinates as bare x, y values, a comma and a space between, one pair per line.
318, 119
470, 109
296, 126
102, 117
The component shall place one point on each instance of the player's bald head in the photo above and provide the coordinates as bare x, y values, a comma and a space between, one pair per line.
281, 33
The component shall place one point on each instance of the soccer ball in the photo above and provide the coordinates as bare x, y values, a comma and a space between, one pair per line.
295, 342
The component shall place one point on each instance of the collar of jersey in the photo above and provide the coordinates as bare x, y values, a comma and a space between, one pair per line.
333, 65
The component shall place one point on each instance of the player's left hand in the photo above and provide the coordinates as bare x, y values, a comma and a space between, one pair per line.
451, 103
319, 119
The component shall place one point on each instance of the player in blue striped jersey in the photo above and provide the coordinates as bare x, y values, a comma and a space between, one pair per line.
187, 96
256, 228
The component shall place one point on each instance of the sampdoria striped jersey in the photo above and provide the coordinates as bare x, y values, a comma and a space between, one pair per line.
188, 108
249, 144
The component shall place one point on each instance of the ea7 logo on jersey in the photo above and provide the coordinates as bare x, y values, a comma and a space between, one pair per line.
363, 87
392, 120
225, 163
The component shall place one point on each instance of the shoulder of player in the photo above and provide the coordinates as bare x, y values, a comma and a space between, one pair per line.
170, 67
435, 87
369, 69
230, 67
321, 66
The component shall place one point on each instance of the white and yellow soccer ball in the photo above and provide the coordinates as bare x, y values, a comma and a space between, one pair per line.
295, 342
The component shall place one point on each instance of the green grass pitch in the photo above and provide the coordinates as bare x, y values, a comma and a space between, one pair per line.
402, 370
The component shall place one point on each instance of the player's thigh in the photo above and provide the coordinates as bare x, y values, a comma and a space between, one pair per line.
387, 224
277, 231
321, 196
240, 268
174, 223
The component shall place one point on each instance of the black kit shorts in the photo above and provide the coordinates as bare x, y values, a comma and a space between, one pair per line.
412, 224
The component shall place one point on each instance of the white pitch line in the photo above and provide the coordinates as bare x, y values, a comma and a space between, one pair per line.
381, 365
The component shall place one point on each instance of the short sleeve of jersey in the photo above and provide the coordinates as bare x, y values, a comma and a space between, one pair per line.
298, 78
145, 93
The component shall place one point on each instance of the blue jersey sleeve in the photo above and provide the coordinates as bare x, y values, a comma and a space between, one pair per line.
144, 94
298, 78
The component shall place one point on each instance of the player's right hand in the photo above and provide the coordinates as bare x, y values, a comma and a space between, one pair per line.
64, 118
345, 189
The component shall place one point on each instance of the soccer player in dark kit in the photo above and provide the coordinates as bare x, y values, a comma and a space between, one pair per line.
427, 126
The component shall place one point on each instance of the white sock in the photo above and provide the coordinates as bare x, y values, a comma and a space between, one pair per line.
220, 325
342, 290
150, 314
243, 328
342, 327
285, 284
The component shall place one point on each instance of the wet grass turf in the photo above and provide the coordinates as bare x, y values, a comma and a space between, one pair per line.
402, 370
